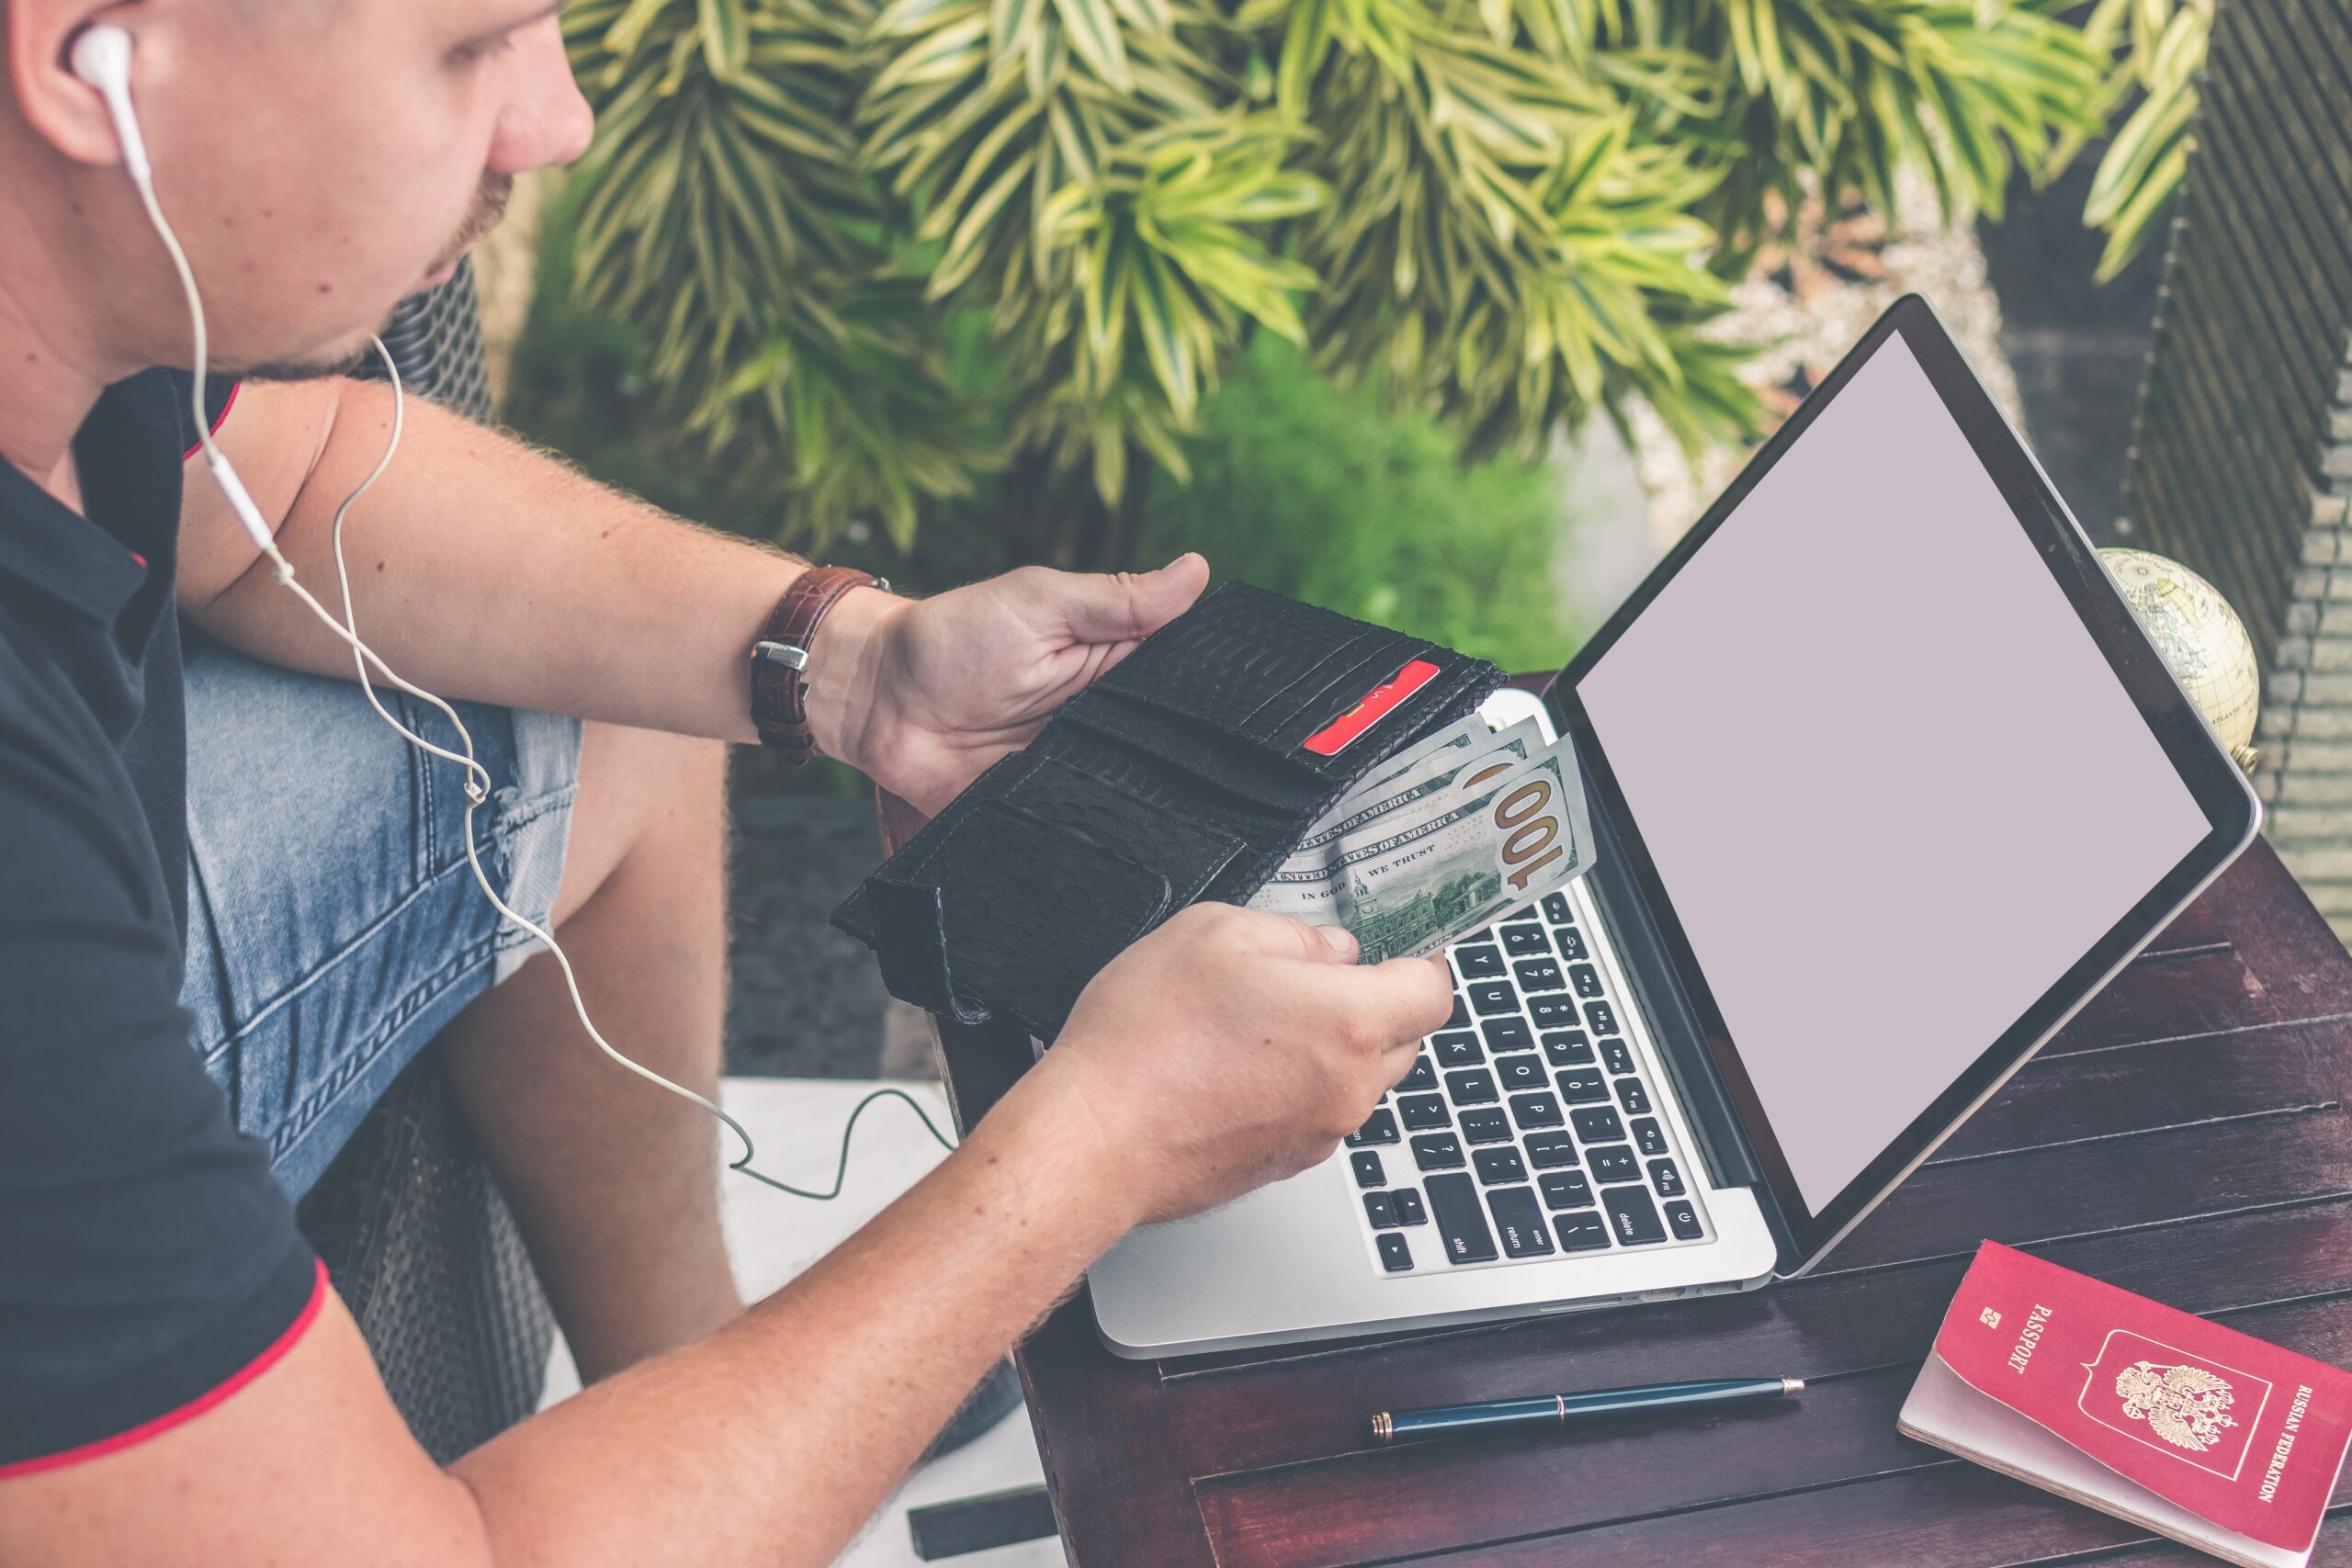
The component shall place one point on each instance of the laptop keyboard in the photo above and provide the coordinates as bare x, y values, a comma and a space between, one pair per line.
1527, 1130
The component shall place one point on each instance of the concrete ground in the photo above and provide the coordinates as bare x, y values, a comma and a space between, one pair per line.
807, 1000
2079, 349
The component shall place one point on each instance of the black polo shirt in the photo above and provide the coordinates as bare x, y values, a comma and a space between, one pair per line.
149, 1265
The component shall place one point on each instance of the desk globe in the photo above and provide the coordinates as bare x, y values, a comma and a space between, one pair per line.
2201, 640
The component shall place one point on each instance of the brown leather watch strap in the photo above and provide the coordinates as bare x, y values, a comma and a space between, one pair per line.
779, 708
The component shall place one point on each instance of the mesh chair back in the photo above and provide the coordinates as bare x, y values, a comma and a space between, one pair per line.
2240, 461
435, 339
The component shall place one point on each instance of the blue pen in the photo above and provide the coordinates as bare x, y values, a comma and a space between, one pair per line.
1559, 1409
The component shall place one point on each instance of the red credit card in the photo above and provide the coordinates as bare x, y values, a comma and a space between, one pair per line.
2242, 1433
1334, 736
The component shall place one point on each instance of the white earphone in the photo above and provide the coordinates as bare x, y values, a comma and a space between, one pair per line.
100, 56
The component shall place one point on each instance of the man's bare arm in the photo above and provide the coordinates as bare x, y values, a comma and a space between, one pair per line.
768, 1443
1227, 1048
481, 568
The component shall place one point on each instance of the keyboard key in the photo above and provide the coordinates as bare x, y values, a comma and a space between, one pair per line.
1472, 1086
1537, 975
1578, 1232
1488, 998
1461, 1220
1647, 1139
1570, 942
1684, 1222
1565, 1190
1567, 1048
1594, 1124
1396, 1253
1665, 1178
1506, 1034
1407, 1205
1420, 1080
1368, 1171
1584, 1086
1525, 941
1457, 1050
1555, 908
1617, 1054
1478, 962
1534, 1111
1633, 1095
1423, 1111
1438, 1151
1601, 1016
1380, 1211
1555, 1011
1547, 1151
1495, 1166
1587, 980
1614, 1163
1486, 1125
1520, 1072
1520, 1221
1484, 933
1461, 1019
1632, 1218
1381, 1129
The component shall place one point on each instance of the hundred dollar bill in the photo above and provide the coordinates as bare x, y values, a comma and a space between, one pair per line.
1306, 883
1457, 740
1431, 876
1469, 748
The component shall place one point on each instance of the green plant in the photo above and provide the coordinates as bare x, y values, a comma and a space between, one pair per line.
2158, 47
1510, 213
1326, 493
724, 220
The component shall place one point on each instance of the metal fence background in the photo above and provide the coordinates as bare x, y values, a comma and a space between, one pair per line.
2241, 461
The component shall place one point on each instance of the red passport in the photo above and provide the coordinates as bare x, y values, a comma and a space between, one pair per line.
2197, 1431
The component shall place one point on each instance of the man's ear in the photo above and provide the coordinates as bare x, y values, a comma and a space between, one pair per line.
60, 108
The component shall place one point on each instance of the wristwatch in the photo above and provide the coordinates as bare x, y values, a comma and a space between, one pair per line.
780, 656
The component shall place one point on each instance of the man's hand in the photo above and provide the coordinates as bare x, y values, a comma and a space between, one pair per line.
1232, 1047
922, 696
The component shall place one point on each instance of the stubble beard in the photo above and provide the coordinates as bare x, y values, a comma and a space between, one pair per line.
489, 208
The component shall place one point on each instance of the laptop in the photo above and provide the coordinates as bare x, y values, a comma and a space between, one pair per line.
1886, 784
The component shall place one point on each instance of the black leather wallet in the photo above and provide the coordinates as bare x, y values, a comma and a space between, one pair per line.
1181, 773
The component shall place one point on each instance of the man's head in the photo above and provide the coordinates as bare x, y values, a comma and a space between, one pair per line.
319, 159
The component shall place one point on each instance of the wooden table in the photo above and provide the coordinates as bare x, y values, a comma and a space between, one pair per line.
2185, 1137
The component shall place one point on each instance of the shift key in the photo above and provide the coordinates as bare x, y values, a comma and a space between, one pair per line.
1461, 1219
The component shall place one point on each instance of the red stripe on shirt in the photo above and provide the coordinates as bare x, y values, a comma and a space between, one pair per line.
230, 402
194, 1408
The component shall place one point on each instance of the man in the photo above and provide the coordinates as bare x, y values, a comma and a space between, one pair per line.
213, 952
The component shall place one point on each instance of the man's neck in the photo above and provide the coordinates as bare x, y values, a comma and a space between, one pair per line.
47, 389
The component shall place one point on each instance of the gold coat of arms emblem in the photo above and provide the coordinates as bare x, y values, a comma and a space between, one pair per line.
2187, 1406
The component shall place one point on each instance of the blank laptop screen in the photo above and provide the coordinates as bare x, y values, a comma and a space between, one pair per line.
1890, 784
